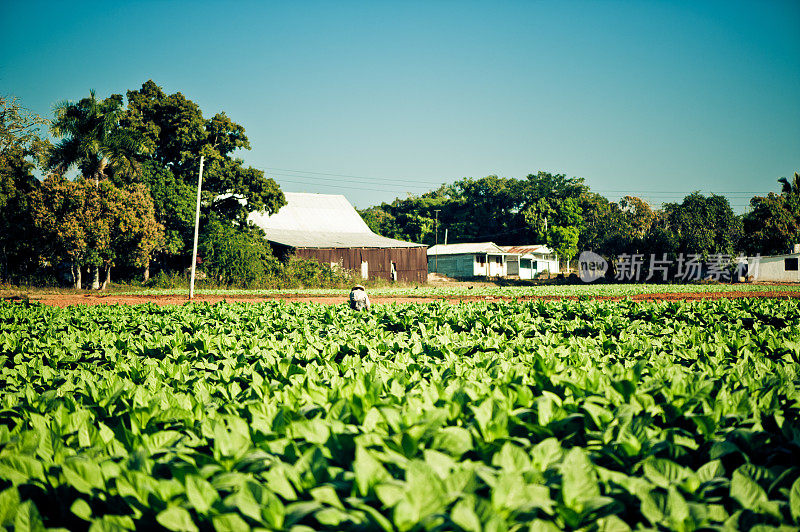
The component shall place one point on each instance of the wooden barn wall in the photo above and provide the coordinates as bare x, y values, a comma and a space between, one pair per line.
411, 263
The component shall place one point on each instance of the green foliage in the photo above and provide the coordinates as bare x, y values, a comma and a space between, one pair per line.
94, 224
168, 279
773, 224
93, 141
234, 256
704, 225
502, 210
563, 241
22, 146
380, 221
174, 207
547, 290
483, 416
176, 134
297, 272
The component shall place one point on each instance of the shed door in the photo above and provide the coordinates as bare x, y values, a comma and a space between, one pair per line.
364, 269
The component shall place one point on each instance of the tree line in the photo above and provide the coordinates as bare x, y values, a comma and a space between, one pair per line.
115, 189
563, 212
132, 202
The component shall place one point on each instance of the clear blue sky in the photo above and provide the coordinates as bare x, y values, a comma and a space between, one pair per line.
653, 98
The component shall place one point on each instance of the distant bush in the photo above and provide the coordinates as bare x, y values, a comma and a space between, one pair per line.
240, 257
305, 273
167, 279
236, 256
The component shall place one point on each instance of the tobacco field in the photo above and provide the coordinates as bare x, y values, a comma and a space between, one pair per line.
482, 416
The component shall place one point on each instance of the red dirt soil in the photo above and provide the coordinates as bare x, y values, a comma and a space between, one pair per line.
63, 300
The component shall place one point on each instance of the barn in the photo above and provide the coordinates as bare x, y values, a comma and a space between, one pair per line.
327, 228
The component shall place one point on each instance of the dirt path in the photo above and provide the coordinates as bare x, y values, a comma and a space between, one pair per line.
63, 300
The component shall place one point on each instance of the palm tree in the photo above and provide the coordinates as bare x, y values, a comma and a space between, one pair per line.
790, 187
93, 141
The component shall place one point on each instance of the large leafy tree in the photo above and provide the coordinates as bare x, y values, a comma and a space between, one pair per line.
704, 225
94, 225
614, 228
381, 221
773, 224
176, 134
486, 209
638, 217
134, 231
67, 215
174, 206
92, 140
563, 240
554, 211
413, 218
22, 146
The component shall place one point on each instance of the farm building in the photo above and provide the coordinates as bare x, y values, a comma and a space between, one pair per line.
326, 228
776, 268
484, 259
531, 260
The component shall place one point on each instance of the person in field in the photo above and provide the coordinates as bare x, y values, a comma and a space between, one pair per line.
359, 300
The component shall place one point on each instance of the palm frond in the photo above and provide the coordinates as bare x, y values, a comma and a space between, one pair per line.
64, 155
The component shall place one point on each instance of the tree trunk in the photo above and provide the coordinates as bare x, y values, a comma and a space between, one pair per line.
95, 277
108, 278
101, 170
3, 265
76, 274
146, 274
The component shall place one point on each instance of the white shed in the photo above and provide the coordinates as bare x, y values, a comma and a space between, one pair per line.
775, 268
483, 259
531, 260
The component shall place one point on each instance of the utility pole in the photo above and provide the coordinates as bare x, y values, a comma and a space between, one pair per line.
436, 230
196, 229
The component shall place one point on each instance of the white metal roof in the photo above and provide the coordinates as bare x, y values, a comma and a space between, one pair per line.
465, 249
321, 221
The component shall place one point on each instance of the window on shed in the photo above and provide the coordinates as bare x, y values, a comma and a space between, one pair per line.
790, 265
481, 259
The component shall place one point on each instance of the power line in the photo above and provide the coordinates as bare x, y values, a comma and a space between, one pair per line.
670, 192
394, 184
315, 179
429, 183
395, 190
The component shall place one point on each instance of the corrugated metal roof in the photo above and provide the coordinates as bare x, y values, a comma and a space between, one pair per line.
326, 239
529, 248
460, 249
321, 221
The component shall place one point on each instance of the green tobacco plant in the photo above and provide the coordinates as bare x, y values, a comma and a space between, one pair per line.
562, 415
